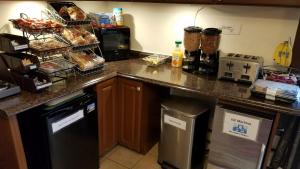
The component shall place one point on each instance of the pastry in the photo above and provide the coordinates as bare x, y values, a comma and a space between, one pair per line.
26, 62
76, 13
46, 44
49, 67
35, 25
86, 61
79, 36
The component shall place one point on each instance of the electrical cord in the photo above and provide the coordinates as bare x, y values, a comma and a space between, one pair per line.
196, 14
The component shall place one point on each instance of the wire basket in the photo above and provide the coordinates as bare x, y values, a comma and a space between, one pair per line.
51, 51
95, 70
53, 9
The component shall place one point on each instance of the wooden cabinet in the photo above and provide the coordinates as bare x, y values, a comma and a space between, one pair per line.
107, 115
128, 114
139, 108
130, 95
296, 49
12, 155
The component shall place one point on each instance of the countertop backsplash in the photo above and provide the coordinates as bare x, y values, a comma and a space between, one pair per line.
155, 26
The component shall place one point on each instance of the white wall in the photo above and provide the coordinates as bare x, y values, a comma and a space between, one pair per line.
155, 27
92, 6
12, 10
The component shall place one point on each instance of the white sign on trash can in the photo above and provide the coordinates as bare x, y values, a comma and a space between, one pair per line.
241, 126
175, 122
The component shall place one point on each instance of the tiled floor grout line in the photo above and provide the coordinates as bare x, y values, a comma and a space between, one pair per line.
115, 148
138, 161
117, 163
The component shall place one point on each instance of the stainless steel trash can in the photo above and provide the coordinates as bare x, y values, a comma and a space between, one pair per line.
239, 138
184, 124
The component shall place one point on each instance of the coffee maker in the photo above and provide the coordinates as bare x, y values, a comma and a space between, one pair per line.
192, 41
209, 57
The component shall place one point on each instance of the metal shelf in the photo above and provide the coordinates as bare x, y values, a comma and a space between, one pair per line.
94, 70
52, 54
52, 51
53, 14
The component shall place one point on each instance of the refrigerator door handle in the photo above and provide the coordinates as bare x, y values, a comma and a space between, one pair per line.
66, 121
261, 156
64, 109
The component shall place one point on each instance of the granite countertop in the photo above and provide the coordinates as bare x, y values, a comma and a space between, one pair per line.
164, 75
26, 100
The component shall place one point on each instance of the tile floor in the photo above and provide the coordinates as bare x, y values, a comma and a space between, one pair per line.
123, 158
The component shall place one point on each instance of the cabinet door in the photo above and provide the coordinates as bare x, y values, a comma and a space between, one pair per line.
107, 115
130, 96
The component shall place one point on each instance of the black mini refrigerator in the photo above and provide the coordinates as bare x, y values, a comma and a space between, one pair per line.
64, 136
114, 43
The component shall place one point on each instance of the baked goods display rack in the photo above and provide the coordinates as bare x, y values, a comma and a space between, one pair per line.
64, 42
46, 44
79, 32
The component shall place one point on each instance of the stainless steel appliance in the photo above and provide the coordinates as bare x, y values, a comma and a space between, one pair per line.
239, 67
63, 135
114, 42
239, 138
184, 123
8, 89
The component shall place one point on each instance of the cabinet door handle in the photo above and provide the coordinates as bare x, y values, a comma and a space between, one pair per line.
138, 89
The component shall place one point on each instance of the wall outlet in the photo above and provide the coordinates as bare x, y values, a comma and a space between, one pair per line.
230, 29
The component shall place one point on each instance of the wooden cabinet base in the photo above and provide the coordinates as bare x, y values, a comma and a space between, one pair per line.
107, 117
139, 114
150, 122
130, 113
12, 154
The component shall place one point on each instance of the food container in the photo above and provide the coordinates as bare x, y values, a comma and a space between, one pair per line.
192, 38
102, 19
155, 60
59, 10
118, 13
20, 62
48, 46
37, 26
86, 63
13, 43
33, 81
275, 90
56, 65
210, 40
80, 38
